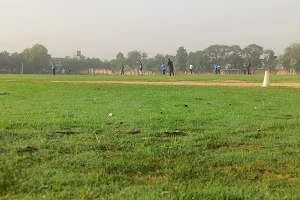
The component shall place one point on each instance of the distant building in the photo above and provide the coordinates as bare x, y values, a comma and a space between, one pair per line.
77, 54
59, 62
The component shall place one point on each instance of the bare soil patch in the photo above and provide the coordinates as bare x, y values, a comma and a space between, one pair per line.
66, 132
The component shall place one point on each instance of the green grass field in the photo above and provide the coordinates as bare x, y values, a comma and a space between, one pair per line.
156, 78
238, 143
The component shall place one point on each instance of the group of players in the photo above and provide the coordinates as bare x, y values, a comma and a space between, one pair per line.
217, 69
164, 68
63, 70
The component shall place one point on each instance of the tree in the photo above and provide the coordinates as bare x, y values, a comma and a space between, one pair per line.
291, 57
40, 57
217, 54
269, 60
113, 65
4, 58
196, 59
120, 60
107, 64
144, 56
235, 59
37, 57
191, 58
15, 60
147, 63
252, 53
171, 57
133, 58
28, 58
73, 63
181, 59
27, 55
154, 64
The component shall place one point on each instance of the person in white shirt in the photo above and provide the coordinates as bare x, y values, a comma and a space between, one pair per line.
191, 68
141, 68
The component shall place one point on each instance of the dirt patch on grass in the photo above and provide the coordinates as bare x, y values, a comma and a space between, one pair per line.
149, 178
4, 93
228, 83
28, 149
152, 178
245, 147
66, 132
261, 172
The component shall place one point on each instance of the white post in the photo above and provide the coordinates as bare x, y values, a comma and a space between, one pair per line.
266, 82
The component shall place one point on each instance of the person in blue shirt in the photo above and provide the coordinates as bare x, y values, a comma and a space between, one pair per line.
215, 69
163, 68
53, 68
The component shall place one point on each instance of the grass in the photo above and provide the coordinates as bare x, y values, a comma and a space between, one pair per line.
241, 143
157, 78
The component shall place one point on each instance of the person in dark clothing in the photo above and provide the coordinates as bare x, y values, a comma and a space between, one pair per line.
218, 69
248, 68
122, 70
171, 67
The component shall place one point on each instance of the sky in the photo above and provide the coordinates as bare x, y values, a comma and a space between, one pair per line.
102, 28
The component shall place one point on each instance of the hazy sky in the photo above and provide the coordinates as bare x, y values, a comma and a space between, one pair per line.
102, 28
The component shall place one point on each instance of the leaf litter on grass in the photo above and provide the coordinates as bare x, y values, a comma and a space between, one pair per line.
4, 93
134, 131
28, 149
66, 132
175, 133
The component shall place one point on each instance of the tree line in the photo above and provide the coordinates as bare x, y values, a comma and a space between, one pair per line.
37, 59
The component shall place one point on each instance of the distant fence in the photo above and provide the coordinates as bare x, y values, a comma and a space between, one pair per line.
135, 72
261, 71
109, 72
225, 71
231, 71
